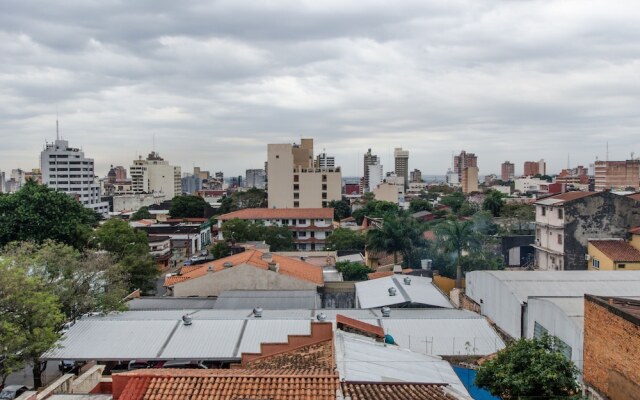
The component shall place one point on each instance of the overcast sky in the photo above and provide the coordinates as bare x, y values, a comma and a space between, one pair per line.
215, 81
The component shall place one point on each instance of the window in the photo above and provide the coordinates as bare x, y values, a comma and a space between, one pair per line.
296, 187
544, 211
560, 213
595, 263
302, 221
622, 266
324, 178
324, 196
559, 238
296, 204
296, 178
324, 186
296, 195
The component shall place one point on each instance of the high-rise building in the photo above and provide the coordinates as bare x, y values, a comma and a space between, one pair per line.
375, 175
415, 176
191, 184
617, 175
507, 171
3, 182
369, 159
402, 164
155, 175
67, 170
293, 182
202, 175
255, 178
466, 166
324, 161
532, 168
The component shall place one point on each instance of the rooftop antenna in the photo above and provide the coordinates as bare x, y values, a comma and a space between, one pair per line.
607, 151
57, 127
154, 142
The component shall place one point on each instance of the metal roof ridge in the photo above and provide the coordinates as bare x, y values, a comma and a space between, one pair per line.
401, 289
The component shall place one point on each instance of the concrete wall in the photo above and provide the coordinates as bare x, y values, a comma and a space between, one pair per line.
600, 216
311, 188
133, 202
280, 175
240, 277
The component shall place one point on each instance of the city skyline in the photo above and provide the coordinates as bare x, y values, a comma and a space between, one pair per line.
215, 83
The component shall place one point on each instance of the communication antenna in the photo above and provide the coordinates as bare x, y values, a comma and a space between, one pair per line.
607, 151
57, 127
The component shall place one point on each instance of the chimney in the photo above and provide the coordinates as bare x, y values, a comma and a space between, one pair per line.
275, 267
268, 257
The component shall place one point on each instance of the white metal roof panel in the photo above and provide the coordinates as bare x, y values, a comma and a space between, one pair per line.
365, 360
113, 340
204, 339
375, 293
270, 331
444, 337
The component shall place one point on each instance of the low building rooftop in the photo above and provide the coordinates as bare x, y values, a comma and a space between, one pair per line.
617, 250
279, 213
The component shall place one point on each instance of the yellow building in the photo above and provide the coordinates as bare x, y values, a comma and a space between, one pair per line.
614, 254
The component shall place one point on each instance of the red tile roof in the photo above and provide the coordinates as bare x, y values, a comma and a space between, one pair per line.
617, 250
280, 213
569, 196
355, 326
396, 391
635, 231
635, 196
225, 384
288, 266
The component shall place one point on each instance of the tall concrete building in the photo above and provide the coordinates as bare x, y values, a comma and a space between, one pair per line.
532, 168
617, 175
325, 161
369, 160
376, 175
67, 170
401, 158
415, 176
294, 181
155, 175
465, 165
507, 172
255, 178
3, 182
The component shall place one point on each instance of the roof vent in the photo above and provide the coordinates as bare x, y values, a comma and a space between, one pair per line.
274, 267
407, 280
392, 291
257, 312
227, 264
322, 317
210, 268
386, 312
267, 256
187, 320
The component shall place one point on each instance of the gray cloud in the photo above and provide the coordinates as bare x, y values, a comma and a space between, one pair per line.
215, 81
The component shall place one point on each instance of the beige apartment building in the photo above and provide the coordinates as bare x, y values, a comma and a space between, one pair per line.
155, 175
617, 175
294, 182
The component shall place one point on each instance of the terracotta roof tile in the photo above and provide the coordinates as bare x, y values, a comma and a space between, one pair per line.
312, 357
617, 250
288, 266
227, 384
635, 231
396, 391
355, 326
569, 196
279, 213
379, 274
635, 196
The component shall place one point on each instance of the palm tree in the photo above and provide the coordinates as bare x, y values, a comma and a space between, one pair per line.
396, 235
456, 236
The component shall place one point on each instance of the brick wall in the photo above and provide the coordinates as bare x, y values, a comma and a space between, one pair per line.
611, 351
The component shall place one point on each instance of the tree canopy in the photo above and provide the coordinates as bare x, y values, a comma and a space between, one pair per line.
345, 239
493, 202
353, 271
279, 238
532, 368
189, 207
37, 213
341, 209
398, 235
142, 213
252, 198
375, 209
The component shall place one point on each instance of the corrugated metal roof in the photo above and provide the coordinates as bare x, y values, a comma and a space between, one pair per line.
444, 337
360, 359
106, 339
375, 293
170, 303
268, 299
566, 283
204, 339
224, 334
270, 331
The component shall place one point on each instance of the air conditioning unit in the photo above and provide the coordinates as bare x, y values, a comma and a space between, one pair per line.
587, 257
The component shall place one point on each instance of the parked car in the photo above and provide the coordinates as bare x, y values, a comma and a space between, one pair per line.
12, 392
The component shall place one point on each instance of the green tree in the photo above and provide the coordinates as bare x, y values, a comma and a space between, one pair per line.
353, 271
375, 209
493, 202
417, 205
226, 206
398, 235
189, 207
30, 318
519, 217
529, 368
341, 209
238, 230
455, 237
279, 238
220, 250
142, 213
38, 213
345, 239
83, 282
252, 198
130, 249
454, 200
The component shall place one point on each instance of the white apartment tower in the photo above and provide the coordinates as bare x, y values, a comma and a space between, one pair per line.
155, 175
67, 170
